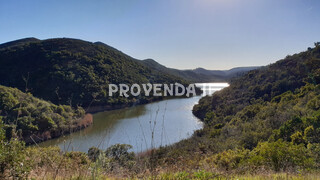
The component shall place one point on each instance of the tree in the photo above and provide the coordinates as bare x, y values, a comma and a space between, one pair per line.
94, 153
119, 153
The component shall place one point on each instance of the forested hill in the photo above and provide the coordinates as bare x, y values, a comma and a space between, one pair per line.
71, 71
264, 84
279, 101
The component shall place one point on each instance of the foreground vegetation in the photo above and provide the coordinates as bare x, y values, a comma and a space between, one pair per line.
20, 162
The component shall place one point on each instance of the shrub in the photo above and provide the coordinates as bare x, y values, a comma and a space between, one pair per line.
119, 155
229, 160
281, 155
94, 153
297, 138
13, 161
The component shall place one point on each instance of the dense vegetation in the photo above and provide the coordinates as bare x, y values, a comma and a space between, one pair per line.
74, 72
33, 119
263, 84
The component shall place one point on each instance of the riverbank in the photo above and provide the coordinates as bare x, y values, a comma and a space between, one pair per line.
84, 122
167, 121
101, 108
87, 121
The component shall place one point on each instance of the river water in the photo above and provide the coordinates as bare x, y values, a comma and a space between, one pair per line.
144, 126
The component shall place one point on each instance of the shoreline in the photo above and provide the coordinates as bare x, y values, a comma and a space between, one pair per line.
47, 135
102, 108
84, 122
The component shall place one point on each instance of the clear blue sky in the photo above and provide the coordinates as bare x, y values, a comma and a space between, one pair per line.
214, 34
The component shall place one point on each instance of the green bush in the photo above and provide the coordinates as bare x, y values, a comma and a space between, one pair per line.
94, 153
281, 155
119, 154
229, 160
13, 160
298, 138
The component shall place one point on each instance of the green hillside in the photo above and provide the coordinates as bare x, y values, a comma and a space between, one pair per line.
264, 84
75, 72
274, 109
32, 119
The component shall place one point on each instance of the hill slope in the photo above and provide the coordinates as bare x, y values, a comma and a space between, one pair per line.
37, 120
256, 105
285, 75
71, 71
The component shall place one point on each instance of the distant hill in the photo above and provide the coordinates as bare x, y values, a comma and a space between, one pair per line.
185, 74
226, 74
200, 74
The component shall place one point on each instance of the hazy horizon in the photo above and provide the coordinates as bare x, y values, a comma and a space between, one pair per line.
182, 34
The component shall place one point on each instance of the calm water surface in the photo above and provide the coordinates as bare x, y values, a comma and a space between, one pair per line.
167, 121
